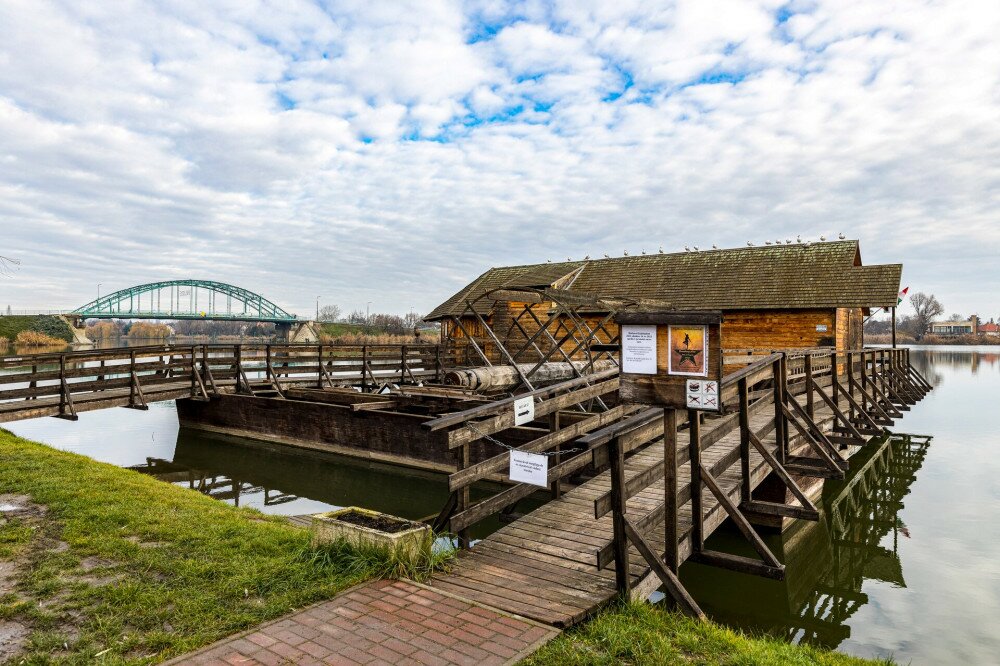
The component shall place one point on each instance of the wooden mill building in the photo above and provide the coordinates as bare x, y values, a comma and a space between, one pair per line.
772, 297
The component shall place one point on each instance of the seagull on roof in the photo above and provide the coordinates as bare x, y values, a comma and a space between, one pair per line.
626, 253
822, 238
749, 243
798, 239
607, 256
841, 236
644, 250
587, 258
687, 249
788, 241
696, 249
661, 249
714, 246
767, 242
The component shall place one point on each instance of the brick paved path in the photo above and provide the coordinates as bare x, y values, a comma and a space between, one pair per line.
383, 622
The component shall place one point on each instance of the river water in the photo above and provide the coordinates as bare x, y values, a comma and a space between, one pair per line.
905, 562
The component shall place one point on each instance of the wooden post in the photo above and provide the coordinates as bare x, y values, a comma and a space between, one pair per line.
670, 488
834, 378
557, 458
694, 451
364, 368
894, 327
779, 415
464, 498
616, 458
810, 405
319, 367
744, 440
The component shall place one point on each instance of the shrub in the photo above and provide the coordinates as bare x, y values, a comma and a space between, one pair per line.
36, 339
149, 331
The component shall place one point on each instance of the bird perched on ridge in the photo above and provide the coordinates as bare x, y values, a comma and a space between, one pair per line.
749, 243
767, 242
661, 249
626, 253
687, 249
822, 238
714, 246
841, 236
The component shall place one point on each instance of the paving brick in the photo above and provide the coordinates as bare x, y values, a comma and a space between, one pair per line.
261, 639
357, 655
382, 623
400, 646
428, 659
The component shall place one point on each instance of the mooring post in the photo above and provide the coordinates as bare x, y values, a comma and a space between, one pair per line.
616, 458
364, 368
744, 417
670, 488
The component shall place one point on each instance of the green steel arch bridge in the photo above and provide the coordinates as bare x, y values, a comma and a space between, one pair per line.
185, 299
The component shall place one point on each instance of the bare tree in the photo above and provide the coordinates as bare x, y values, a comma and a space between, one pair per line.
926, 308
8, 265
329, 313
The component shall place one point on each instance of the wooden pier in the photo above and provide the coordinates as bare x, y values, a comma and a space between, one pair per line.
628, 529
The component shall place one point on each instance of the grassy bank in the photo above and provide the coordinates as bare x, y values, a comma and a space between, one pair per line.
643, 634
101, 564
12, 325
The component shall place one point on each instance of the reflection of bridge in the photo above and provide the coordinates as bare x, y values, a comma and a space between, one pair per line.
185, 299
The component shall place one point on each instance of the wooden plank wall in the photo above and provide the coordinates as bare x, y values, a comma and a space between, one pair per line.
741, 329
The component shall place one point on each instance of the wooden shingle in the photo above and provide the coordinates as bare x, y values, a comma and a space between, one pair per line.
798, 276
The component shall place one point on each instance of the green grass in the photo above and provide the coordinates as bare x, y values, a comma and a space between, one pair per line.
338, 328
178, 570
11, 325
644, 634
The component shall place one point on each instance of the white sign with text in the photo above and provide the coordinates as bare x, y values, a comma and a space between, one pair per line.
639, 349
524, 410
529, 468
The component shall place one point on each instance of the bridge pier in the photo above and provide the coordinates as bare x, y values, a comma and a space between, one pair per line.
78, 329
301, 331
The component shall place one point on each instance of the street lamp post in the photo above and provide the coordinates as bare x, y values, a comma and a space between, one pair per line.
317, 308
99, 290
368, 311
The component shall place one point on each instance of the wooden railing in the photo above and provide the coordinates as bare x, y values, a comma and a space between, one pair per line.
855, 388
53, 384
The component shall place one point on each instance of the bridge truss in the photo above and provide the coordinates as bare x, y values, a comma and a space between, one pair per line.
185, 299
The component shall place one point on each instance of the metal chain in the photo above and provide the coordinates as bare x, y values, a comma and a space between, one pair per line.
514, 448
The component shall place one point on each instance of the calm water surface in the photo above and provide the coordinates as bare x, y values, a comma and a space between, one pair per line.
906, 561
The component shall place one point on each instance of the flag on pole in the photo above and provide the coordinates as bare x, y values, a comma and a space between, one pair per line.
902, 295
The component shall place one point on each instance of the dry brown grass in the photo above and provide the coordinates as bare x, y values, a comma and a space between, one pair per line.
4, 344
376, 339
36, 339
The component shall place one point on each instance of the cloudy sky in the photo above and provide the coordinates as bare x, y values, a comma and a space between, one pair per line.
389, 152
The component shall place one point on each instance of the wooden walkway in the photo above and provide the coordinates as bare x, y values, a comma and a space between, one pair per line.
544, 565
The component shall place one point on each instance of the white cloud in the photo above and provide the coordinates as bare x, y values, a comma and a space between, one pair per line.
390, 152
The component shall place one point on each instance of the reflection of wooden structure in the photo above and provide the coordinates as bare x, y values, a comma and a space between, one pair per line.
217, 486
778, 297
860, 511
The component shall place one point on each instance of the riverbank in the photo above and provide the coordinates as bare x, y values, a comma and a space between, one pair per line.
101, 562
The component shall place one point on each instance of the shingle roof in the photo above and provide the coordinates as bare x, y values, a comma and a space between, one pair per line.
820, 275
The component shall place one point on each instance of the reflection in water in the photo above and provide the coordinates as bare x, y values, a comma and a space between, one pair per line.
283, 480
827, 562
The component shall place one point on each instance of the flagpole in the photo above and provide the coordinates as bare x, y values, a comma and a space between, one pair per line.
894, 327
